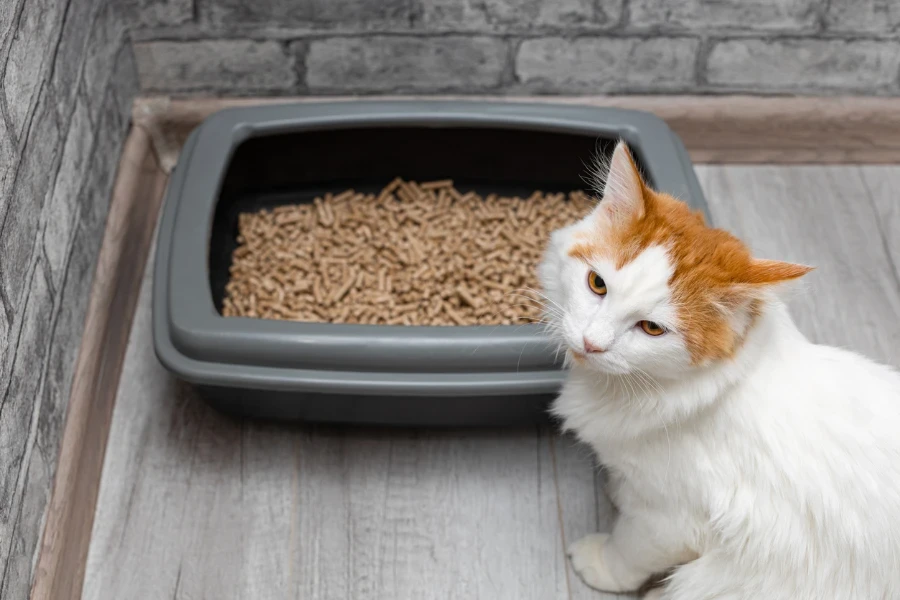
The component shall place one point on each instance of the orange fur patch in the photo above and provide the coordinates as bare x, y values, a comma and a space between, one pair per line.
714, 272
585, 251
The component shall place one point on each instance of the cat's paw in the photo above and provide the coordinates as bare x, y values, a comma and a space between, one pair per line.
589, 557
654, 594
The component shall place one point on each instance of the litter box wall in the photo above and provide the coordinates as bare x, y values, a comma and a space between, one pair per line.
265, 47
67, 77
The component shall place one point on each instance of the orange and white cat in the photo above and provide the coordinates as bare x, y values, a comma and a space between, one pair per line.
746, 461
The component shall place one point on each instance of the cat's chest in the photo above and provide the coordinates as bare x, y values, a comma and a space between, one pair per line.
670, 470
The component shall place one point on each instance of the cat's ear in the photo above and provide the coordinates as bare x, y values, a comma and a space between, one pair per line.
622, 187
750, 281
762, 272
739, 300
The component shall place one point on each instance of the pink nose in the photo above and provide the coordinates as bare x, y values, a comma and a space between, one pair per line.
589, 347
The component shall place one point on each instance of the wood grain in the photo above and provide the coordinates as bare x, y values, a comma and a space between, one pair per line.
715, 129
882, 188
135, 202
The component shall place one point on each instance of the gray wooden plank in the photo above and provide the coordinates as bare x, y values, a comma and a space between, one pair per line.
194, 504
584, 505
883, 188
819, 216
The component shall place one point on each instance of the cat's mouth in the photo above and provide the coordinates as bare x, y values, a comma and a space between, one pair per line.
583, 359
590, 361
578, 357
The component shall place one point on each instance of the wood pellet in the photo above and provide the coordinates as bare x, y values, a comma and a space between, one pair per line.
413, 254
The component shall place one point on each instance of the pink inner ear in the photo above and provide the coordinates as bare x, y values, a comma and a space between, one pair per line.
623, 192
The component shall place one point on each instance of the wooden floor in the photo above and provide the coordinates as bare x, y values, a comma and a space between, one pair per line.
195, 505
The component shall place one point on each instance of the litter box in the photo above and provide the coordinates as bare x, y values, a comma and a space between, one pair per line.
245, 159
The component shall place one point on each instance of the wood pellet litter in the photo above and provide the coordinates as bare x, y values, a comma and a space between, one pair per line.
415, 254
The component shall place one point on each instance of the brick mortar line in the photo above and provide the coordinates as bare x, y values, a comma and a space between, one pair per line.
139, 37
295, 52
701, 60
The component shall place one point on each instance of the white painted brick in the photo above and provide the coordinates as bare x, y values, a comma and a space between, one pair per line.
607, 64
505, 15
358, 14
226, 65
61, 209
8, 159
7, 16
32, 43
863, 16
106, 37
110, 129
74, 38
31, 188
164, 12
701, 15
392, 63
803, 65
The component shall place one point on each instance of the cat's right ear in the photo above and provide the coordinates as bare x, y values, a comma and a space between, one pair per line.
622, 187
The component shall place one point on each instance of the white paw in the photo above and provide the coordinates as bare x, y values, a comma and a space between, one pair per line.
589, 560
654, 594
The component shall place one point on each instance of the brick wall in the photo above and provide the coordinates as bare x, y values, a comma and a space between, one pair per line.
241, 47
67, 77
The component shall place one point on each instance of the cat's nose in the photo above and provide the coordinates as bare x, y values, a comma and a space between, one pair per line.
589, 347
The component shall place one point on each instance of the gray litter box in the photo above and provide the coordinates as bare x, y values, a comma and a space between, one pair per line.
248, 158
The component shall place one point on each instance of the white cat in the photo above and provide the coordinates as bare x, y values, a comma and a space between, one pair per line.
746, 461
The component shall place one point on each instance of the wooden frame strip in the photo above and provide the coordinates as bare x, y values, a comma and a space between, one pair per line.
715, 129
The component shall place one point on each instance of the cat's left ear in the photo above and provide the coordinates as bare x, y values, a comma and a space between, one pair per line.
762, 272
623, 187
749, 285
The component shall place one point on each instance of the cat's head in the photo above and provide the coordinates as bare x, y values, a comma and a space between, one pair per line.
642, 284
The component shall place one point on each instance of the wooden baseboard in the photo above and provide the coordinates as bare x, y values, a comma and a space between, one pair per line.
715, 129
115, 289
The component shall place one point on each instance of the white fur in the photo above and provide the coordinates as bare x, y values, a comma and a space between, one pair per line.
774, 475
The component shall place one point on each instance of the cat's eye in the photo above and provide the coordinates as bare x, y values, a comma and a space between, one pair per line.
596, 283
651, 328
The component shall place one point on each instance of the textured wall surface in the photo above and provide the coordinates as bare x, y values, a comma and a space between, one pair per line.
237, 47
67, 78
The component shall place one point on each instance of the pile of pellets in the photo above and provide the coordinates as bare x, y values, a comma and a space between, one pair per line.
414, 254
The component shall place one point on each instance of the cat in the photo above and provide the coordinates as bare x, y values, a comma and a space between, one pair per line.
746, 462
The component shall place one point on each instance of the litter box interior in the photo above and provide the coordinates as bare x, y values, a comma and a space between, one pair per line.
296, 168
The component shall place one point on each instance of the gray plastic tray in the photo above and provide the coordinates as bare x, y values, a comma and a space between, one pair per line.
250, 157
